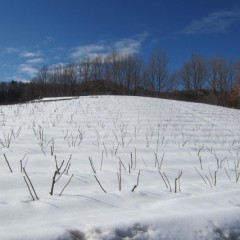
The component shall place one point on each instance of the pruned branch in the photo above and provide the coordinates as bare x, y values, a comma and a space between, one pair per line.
167, 181
135, 186
201, 175
30, 184
7, 163
92, 165
28, 188
100, 184
178, 179
163, 178
66, 185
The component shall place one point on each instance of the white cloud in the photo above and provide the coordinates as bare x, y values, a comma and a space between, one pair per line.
28, 70
90, 50
126, 45
130, 45
28, 54
28, 59
214, 23
35, 60
11, 50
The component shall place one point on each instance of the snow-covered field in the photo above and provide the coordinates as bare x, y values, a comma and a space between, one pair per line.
170, 170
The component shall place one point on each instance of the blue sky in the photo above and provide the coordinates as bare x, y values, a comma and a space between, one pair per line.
34, 33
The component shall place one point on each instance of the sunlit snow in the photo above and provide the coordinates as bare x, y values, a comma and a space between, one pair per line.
187, 156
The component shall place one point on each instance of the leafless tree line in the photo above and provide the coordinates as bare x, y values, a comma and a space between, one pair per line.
119, 73
217, 74
127, 71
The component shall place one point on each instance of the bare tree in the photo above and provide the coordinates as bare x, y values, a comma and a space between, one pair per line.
42, 78
237, 75
53, 81
97, 68
71, 75
194, 74
221, 75
158, 70
131, 65
85, 69
112, 65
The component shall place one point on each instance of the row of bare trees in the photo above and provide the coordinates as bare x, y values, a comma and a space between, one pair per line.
131, 74
217, 74
125, 70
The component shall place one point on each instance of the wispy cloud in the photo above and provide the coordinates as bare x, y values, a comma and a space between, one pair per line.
11, 50
48, 40
125, 45
90, 50
35, 60
24, 62
214, 23
28, 54
28, 70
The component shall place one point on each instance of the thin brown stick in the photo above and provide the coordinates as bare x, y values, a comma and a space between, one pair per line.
91, 163
28, 188
208, 180
227, 174
201, 175
163, 178
53, 182
167, 181
176, 179
100, 184
135, 186
30, 183
66, 185
7, 163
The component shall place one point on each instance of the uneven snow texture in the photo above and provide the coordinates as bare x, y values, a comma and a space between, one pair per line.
186, 155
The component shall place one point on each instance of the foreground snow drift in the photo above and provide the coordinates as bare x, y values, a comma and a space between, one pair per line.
119, 168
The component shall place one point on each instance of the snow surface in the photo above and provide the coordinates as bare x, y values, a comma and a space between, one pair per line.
154, 136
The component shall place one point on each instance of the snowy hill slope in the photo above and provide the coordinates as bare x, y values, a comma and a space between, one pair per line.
134, 168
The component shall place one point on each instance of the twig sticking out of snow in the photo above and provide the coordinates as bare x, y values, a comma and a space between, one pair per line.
167, 181
30, 182
66, 169
201, 175
178, 180
21, 161
160, 165
57, 172
100, 184
120, 177
7, 140
156, 160
66, 185
58, 168
7, 163
28, 188
163, 178
227, 174
92, 165
135, 186
135, 162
